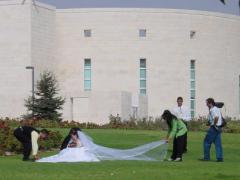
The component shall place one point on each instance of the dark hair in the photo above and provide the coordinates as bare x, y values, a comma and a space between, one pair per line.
169, 117
180, 98
45, 131
210, 101
74, 131
68, 137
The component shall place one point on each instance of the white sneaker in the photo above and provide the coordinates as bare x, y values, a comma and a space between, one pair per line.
178, 160
170, 159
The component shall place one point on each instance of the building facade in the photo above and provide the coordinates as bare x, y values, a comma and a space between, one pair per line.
126, 62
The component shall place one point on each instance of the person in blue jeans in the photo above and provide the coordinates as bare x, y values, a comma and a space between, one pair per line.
214, 132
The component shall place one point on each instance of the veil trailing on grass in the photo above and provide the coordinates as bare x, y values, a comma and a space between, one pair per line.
91, 152
154, 151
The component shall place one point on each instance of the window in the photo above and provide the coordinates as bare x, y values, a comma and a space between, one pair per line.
87, 33
142, 32
192, 34
192, 88
87, 74
143, 76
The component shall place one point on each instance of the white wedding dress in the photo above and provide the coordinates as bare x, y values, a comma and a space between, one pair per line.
91, 152
78, 154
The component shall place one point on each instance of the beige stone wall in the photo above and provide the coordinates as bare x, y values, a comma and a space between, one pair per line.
15, 47
43, 33
47, 38
216, 49
27, 38
115, 50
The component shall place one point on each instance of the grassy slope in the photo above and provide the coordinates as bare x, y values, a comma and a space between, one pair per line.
190, 168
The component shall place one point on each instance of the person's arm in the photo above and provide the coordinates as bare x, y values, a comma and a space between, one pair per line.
65, 142
215, 118
169, 130
34, 138
79, 144
70, 143
168, 133
173, 131
215, 122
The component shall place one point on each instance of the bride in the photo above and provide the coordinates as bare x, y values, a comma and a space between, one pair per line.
81, 148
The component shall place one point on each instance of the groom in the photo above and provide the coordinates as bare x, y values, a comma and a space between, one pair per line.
29, 136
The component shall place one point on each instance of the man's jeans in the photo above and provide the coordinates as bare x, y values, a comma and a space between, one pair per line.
213, 136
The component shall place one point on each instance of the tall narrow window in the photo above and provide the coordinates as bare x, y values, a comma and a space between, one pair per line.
87, 75
192, 34
87, 33
143, 76
192, 87
142, 32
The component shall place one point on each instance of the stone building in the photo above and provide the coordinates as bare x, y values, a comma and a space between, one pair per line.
126, 61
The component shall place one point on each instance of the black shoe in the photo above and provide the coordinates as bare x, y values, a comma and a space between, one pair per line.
202, 159
26, 159
219, 160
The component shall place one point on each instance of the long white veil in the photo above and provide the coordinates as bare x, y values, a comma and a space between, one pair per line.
154, 151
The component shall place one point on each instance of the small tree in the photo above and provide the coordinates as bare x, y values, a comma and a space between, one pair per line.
46, 102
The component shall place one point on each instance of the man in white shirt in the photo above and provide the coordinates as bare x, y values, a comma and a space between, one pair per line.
214, 132
215, 116
182, 112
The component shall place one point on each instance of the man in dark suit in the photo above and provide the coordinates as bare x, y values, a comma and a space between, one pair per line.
29, 136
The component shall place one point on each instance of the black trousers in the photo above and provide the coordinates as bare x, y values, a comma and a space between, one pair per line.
178, 146
26, 142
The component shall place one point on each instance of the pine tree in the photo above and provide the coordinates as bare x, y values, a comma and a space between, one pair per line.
46, 103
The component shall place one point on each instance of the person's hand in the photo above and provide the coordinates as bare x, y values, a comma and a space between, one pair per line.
36, 157
208, 123
216, 128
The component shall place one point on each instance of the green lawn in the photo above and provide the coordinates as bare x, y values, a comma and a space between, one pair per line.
190, 168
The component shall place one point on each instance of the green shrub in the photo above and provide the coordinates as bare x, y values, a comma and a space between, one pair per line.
232, 127
115, 122
54, 140
7, 141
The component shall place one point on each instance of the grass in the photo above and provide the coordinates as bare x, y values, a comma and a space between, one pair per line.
190, 168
